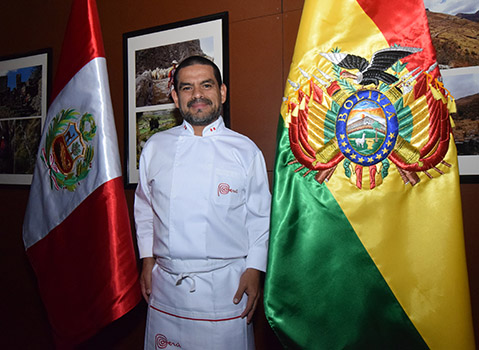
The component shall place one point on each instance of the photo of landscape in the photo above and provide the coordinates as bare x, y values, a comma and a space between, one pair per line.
22, 111
454, 27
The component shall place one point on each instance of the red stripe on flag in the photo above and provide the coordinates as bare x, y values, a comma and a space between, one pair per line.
82, 43
84, 266
408, 27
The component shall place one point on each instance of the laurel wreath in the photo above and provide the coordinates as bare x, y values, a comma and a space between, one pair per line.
71, 180
384, 171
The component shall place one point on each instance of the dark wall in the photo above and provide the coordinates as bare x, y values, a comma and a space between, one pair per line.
261, 43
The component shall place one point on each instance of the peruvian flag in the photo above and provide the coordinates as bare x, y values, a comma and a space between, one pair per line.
76, 229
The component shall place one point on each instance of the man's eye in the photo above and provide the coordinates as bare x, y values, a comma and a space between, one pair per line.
207, 86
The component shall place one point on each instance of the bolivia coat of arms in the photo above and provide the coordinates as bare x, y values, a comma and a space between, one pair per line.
365, 113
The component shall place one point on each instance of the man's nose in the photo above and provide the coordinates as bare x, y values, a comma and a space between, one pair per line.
197, 92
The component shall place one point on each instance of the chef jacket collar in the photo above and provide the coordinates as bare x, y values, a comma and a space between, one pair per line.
210, 129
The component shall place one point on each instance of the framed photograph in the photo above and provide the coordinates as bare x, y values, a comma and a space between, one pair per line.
150, 59
454, 30
24, 81
463, 83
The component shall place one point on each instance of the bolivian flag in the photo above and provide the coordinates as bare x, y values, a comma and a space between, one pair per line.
366, 247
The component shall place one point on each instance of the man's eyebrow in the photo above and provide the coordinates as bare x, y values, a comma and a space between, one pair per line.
184, 84
207, 81
210, 81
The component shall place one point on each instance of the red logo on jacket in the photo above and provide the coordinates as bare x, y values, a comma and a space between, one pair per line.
224, 189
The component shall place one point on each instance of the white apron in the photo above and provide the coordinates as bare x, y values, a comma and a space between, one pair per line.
191, 306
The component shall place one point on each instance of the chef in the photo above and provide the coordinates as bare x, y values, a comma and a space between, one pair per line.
202, 210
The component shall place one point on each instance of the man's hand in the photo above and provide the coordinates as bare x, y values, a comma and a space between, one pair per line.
145, 278
249, 284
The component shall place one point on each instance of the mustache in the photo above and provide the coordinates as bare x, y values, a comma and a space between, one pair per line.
199, 100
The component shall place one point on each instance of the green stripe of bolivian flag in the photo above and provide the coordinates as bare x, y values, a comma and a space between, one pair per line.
323, 291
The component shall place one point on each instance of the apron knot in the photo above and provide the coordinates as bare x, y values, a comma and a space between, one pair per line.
183, 276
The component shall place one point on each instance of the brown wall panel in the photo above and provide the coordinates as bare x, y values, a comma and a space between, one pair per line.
146, 13
20, 306
291, 5
28, 26
470, 209
256, 85
290, 30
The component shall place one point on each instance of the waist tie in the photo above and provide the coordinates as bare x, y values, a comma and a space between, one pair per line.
184, 269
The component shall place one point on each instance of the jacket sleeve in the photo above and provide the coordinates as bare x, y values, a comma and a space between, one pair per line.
143, 211
258, 202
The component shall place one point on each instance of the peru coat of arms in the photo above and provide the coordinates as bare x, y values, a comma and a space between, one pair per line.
67, 152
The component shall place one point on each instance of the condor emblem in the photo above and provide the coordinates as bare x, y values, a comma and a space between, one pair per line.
367, 115
67, 153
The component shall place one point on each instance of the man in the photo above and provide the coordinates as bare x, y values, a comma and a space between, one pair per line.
202, 216
171, 74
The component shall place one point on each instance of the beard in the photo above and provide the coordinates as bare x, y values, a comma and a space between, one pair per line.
201, 120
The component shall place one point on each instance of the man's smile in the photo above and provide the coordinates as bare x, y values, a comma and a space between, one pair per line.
199, 103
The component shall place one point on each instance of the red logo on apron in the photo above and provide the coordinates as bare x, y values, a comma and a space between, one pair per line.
161, 342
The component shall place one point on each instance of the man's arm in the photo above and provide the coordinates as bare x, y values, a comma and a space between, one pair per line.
258, 206
257, 222
145, 278
249, 284
144, 228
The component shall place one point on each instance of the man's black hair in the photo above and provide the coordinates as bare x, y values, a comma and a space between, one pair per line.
192, 60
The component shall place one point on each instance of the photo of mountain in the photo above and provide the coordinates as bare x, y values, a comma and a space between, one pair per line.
454, 27
455, 38
23, 108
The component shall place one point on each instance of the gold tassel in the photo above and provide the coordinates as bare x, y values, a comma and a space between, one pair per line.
452, 121
451, 105
437, 95
296, 111
287, 120
302, 105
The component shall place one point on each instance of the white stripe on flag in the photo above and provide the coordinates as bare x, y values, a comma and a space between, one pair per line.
87, 92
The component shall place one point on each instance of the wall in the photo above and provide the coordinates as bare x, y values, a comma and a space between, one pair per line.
262, 35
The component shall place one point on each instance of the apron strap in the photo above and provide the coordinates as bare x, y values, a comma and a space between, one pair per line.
184, 269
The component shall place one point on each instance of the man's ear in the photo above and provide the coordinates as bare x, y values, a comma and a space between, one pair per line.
223, 90
174, 95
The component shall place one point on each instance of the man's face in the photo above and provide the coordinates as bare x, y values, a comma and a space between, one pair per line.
199, 98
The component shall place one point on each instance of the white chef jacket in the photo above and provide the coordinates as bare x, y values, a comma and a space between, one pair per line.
202, 209
203, 197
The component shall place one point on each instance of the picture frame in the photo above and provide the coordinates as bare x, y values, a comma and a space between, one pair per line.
150, 56
24, 93
453, 34
463, 83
